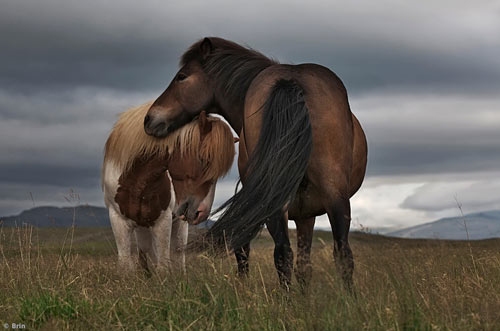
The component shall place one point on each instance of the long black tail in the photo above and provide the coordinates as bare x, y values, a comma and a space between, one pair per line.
274, 171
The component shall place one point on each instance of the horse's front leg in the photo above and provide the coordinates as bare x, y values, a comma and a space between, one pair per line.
242, 255
180, 230
145, 245
162, 231
283, 254
122, 230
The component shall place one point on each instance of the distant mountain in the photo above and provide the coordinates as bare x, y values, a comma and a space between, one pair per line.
83, 216
481, 225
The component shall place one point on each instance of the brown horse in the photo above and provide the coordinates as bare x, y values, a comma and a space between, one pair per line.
302, 152
154, 187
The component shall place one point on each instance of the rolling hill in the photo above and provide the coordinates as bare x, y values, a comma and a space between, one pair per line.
83, 216
480, 225
48, 216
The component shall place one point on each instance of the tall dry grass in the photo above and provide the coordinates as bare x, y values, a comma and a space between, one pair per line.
50, 283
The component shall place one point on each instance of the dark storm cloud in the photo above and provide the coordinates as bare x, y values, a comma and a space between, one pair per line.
393, 159
37, 174
423, 82
52, 45
45, 60
131, 46
430, 133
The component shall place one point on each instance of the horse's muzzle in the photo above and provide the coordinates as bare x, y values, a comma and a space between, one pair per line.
186, 212
156, 127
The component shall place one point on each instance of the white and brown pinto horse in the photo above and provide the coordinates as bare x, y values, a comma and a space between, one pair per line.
155, 187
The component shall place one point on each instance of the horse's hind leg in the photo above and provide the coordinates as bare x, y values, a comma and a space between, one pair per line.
242, 255
339, 214
283, 254
305, 228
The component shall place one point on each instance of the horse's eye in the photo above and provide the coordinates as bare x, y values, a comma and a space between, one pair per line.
180, 77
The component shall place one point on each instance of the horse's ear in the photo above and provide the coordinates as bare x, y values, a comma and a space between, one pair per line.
205, 124
236, 139
206, 48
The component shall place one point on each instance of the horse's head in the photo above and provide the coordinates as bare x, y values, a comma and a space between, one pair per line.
195, 167
189, 92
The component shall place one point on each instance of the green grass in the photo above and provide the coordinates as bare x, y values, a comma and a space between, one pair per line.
55, 279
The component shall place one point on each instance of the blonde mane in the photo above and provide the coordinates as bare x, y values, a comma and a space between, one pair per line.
128, 141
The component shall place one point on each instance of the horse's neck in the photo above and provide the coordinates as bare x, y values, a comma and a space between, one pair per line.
232, 113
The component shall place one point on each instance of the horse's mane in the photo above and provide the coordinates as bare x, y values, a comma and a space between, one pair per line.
231, 66
128, 141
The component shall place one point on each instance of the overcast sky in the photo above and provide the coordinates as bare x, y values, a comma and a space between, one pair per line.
424, 80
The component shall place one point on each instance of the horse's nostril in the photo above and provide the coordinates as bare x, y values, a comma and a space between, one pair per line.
147, 119
197, 214
160, 127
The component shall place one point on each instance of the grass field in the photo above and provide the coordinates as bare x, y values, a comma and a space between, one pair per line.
55, 279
